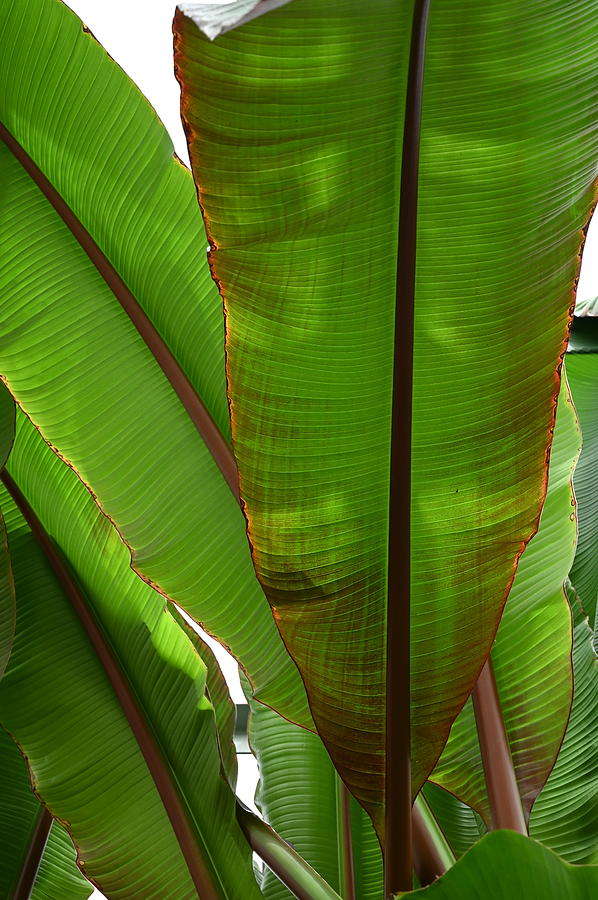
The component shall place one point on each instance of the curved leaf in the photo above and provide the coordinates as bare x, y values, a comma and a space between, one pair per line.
565, 815
531, 655
582, 373
100, 230
297, 159
217, 18
7, 424
7, 588
58, 876
7, 601
505, 864
85, 750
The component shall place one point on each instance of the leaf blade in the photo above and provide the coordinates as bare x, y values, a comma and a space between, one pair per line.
138, 204
19, 810
531, 654
297, 795
297, 173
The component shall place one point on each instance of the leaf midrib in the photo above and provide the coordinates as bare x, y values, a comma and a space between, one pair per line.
398, 828
33, 854
174, 805
191, 401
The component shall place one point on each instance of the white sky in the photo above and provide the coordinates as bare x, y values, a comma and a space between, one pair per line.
588, 279
138, 35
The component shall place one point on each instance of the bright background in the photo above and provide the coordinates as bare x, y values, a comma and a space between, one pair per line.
138, 35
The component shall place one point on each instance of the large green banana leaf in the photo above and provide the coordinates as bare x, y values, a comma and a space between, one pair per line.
505, 865
300, 796
78, 132
295, 126
582, 372
58, 877
565, 816
90, 761
531, 655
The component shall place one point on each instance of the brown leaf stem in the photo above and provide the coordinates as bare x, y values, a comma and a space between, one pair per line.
501, 783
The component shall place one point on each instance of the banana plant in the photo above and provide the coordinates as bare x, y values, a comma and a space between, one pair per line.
327, 441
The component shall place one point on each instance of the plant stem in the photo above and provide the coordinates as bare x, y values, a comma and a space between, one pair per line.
432, 855
297, 875
501, 783
344, 840
33, 855
397, 826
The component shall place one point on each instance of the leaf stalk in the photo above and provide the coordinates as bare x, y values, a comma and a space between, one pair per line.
293, 871
344, 841
503, 792
432, 855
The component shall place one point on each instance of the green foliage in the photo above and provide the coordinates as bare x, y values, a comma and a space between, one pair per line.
119, 491
297, 164
505, 864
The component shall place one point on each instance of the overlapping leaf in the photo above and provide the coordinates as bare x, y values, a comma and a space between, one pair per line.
299, 795
218, 694
7, 591
218, 17
565, 815
70, 353
531, 655
295, 124
505, 864
58, 876
87, 763
461, 825
582, 372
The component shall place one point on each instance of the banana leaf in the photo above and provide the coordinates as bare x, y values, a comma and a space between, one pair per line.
462, 826
301, 796
57, 876
116, 327
565, 815
323, 254
112, 716
219, 696
582, 372
531, 654
532, 871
